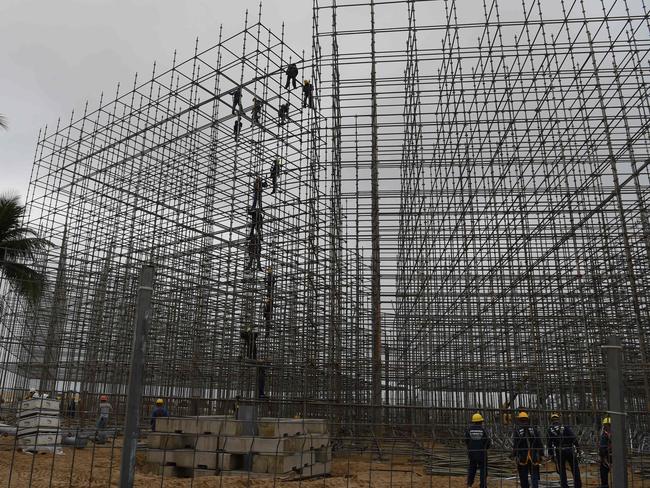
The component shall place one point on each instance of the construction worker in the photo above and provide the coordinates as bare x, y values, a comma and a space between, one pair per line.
237, 128
276, 167
261, 382
250, 343
283, 113
254, 251
105, 409
605, 452
307, 94
477, 442
236, 100
270, 282
527, 450
268, 313
292, 75
563, 447
159, 411
257, 110
258, 188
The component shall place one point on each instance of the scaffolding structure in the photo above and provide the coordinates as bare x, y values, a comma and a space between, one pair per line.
509, 144
460, 222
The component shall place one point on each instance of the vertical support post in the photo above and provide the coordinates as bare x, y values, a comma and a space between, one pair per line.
376, 259
616, 405
134, 399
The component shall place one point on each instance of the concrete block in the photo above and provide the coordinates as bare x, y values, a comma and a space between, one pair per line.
315, 426
161, 457
321, 456
188, 458
231, 428
238, 445
166, 441
39, 421
40, 439
209, 443
273, 427
286, 463
26, 407
306, 442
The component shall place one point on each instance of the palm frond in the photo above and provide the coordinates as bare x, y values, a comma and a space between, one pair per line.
3, 122
25, 280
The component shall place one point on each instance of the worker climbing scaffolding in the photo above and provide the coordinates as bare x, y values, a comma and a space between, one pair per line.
276, 168
237, 128
307, 94
292, 76
236, 100
257, 110
283, 113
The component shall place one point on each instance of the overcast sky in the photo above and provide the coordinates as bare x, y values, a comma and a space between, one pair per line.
56, 54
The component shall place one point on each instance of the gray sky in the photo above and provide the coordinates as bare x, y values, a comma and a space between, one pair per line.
57, 54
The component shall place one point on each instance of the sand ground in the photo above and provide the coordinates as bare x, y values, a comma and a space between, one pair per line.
98, 466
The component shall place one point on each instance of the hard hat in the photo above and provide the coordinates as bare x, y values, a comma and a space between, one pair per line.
477, 417
555, 416
522, 416
607, 421
306, 81
159, 401
103, 398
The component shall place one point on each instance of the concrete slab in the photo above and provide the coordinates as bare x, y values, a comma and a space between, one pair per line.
315, 426
39, 404
41, 439
161, 457
209, 443
270, 427
166, 441
188, 458
39, 420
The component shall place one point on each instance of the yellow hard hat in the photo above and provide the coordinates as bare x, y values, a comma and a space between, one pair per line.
522, 416
306, 81
477, 417
607, 421
159, 401
555, 416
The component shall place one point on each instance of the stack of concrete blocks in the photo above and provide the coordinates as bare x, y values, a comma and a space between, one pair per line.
208, 446
38, 424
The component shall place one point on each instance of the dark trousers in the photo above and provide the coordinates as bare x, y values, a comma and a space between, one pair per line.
526, 469
307, 99
477, 464
604, 474
236, 103
293, 79
568, 457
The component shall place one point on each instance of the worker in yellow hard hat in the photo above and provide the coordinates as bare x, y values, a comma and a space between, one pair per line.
528, 450
477, 442
564, 448
605, 452
159, 411
307, 94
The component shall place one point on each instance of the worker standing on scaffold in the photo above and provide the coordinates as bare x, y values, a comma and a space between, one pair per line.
307, 94
236, 100
283, 113
257, 110
237, 128
292, 75
276, 168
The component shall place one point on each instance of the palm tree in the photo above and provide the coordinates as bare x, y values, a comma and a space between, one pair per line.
19, 244
3, 122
